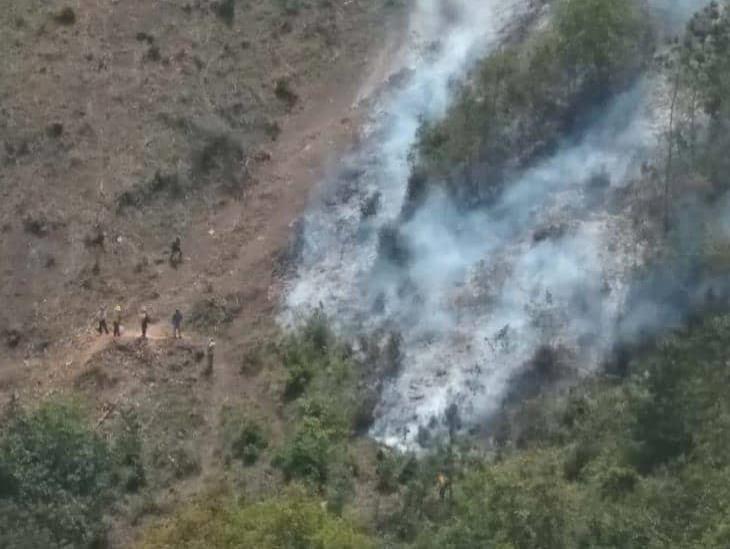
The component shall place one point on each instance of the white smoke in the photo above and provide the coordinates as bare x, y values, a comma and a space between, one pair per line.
339, 249
466, 338
481, 293
674, 13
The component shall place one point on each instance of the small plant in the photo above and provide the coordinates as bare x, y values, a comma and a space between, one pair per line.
283, 91
387, 471
226, 10
618, 481
145, 192
153, 54
290, 7
243, 437
209, 313
340, 487
127, 453
249, 443
306, 353
67, 16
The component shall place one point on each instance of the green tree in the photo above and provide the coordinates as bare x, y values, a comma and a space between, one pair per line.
600, 37
55, 478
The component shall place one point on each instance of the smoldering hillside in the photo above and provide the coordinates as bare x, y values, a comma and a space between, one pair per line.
556, 249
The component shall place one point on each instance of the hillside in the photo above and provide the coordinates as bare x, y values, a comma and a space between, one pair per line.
125, 124
464, 264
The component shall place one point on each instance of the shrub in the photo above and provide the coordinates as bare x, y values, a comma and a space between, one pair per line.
210, 313
145, 192
293, 520
309, 452
243, 438
662, 429
600, 37
618, 481
55, 478
283, 91
127, 453
340, 487
309, 352
67, 16
219, 150
386, 469
226, 10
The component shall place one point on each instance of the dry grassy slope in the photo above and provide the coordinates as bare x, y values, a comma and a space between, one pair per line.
92, 109
95, 107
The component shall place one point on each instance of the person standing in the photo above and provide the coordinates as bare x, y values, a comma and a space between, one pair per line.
144, 322
209, 354
176, 256
177, 319
117, 322
102, 327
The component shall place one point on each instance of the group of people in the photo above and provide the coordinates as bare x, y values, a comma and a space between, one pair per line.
177, 317
144, 321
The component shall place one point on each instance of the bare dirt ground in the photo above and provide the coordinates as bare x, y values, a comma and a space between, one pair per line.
91, 110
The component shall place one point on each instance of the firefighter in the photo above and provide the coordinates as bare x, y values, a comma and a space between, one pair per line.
209, 354
102, 327
177, 319
443, 482
144, 322
176, 256
117, 321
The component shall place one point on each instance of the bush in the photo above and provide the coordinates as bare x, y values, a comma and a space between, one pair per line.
243, 438
618, 481
386, 470
662, 429
602, 38
311, 352
209, 314
284, 92
308, 454
56, 478
127, 452
146, 192
293, 520
67, 16
226, 10
340, 487
321, 374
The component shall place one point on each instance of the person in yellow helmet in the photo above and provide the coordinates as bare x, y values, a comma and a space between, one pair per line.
443, 482
117, 321
209, 354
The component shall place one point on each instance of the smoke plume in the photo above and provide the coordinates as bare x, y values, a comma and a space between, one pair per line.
476, 295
